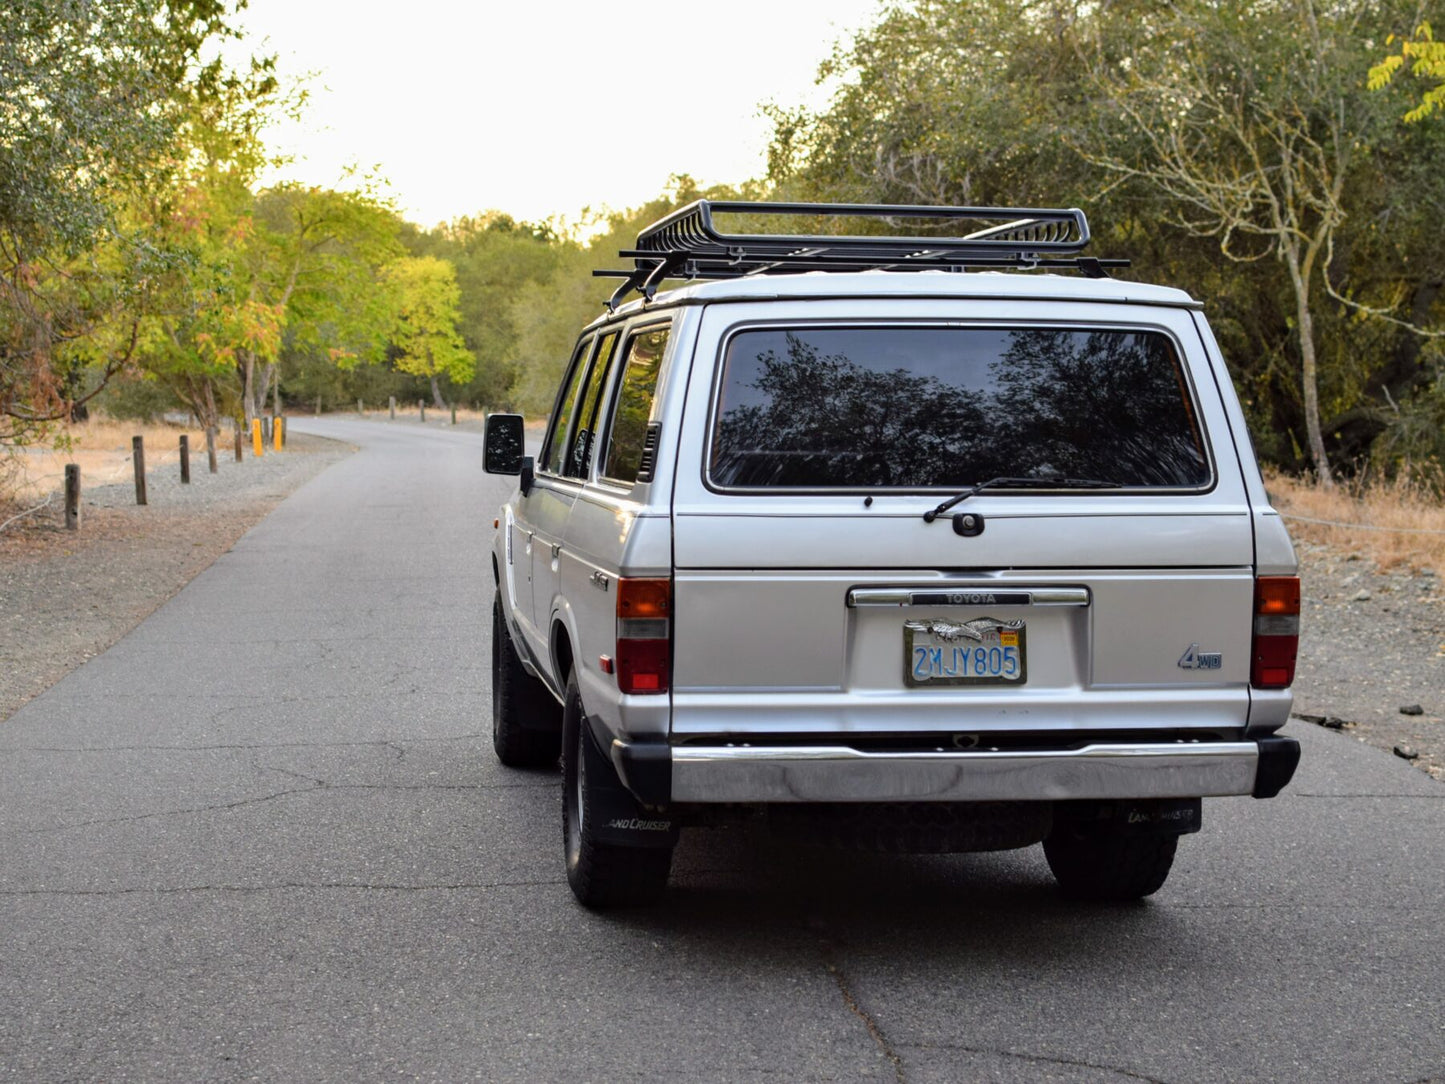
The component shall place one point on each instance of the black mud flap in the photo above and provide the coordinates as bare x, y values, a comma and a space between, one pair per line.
1278, 758
622, 821
1144, 816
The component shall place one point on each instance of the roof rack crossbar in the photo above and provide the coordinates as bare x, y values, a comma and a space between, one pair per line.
687, 242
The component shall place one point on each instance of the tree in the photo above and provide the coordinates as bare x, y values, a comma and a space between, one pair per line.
92, 96
313, 256
1429, 63
204, 315
548, 313
1253, 136
1187, 131
424, 332
495, 257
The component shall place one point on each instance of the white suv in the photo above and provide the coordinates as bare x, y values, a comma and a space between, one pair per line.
925, 543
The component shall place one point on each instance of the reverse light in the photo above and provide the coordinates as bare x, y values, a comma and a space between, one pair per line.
644, 634
1276, 631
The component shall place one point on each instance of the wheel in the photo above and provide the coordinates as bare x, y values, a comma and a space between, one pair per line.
600, 874
526, 721
1109, 865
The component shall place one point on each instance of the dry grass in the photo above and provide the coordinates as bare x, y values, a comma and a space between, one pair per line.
102, 447
1395, 524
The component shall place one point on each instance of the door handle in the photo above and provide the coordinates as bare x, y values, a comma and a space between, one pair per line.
556, 549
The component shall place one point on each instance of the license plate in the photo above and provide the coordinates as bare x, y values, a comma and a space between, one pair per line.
983, 651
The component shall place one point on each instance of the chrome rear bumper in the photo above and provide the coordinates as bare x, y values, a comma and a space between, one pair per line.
842, 774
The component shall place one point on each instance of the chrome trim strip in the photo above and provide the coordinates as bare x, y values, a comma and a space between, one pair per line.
968, 595
1061, 596
829, 773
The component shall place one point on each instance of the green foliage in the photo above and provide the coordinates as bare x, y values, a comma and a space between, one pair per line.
423, 332
549, 313
495, 257
1428, 56
95, 99
137, 398
91, 96
1229, 149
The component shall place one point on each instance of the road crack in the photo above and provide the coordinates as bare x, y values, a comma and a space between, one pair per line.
874, 1030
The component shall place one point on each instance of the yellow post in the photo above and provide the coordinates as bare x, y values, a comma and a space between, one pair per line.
278, 432
258, 446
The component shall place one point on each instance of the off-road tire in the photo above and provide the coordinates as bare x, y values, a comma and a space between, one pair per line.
1109, 866
526, 720
600, 875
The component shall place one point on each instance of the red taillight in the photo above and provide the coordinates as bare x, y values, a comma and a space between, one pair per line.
1276, 631
644, 635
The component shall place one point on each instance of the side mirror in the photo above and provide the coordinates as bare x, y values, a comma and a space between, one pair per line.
503, 444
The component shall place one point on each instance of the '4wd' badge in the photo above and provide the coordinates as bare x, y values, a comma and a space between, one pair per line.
1194, 659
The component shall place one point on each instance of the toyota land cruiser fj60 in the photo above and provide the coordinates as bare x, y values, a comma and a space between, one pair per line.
930, 543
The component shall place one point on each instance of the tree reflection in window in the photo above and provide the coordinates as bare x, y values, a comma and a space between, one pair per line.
634, 404
947, 407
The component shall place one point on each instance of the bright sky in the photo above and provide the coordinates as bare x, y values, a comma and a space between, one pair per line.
542, 107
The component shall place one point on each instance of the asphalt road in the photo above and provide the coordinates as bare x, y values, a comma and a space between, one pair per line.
264, 837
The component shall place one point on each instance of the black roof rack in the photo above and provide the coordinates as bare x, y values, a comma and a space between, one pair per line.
686, 244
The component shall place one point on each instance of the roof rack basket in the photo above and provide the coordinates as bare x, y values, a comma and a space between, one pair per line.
687, 243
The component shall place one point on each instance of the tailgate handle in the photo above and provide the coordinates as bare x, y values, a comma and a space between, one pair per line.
967, 596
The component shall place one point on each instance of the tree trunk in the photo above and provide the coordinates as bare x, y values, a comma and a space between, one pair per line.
213, 417
248, 385
436, 393
1309, 369
263, 388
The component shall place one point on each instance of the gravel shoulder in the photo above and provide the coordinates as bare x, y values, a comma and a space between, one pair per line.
1372, 642
66, 596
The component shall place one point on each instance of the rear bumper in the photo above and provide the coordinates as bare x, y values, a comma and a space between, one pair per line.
658, 773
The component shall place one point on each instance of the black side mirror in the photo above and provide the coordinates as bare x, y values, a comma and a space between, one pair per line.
503, 444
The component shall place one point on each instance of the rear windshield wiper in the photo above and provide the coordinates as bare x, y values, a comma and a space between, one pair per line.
1036, 482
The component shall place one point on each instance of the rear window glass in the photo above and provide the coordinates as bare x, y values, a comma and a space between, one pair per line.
930, 407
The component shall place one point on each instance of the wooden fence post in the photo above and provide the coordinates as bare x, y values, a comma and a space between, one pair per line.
185, 460
211, 449
72, 496
454, 414
393, 408
421, 408
239, 444
138, 456
360, 409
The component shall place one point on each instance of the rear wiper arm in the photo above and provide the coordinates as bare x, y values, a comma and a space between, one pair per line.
1037, 482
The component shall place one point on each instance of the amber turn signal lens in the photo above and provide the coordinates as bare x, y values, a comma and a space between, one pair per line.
1276, 595
638, 597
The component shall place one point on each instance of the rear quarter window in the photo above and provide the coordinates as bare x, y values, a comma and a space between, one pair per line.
946, 407
633, 407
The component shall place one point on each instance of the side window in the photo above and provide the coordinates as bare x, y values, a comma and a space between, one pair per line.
583, 432
633, 405
556, 444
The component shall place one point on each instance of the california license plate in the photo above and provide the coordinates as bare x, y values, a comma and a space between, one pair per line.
983, 651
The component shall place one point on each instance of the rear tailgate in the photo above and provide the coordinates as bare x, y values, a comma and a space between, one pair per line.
825, 613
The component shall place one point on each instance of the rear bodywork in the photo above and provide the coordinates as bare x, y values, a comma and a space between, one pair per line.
796, 614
